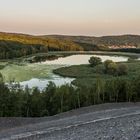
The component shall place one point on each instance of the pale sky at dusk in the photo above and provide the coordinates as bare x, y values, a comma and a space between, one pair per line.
71, 17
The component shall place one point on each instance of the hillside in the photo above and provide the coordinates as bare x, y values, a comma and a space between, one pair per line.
132, 40
16, 45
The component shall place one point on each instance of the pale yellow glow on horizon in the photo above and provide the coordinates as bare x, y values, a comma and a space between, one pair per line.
80, 17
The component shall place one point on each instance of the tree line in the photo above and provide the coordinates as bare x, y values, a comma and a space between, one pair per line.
17, 45
10, 49
16, 102
110, 67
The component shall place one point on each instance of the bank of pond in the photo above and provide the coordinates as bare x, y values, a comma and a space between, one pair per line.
40, 73
86, 75
106, 81
16, 102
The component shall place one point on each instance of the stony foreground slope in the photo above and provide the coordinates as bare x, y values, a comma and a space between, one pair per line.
104, 122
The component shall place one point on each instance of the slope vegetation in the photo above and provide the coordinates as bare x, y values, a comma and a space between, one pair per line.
16, 45
132, 40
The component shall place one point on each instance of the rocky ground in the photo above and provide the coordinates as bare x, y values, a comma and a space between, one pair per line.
101, 122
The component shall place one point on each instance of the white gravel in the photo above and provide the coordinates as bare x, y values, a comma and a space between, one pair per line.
102, 122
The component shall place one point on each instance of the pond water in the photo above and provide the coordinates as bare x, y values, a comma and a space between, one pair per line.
83, 59
42, 83
39, 74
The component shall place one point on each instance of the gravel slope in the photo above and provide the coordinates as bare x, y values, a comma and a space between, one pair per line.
104, 122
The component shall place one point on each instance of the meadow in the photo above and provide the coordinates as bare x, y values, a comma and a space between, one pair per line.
24, 72
86, 75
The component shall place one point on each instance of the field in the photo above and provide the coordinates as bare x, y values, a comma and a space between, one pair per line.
19, 70
24, 72
86, 75
92, 86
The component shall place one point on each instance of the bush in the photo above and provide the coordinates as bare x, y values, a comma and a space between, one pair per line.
122, 69
115, 69
106, 63
110, 67
94, 61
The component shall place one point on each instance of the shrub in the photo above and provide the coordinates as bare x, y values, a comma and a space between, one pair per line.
94, 61
122, 69
115, 69
110, 67
106, 63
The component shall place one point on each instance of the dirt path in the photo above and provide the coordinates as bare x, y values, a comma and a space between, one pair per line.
107, 122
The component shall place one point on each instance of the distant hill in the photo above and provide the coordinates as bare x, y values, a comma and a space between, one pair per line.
104, 41
16, 45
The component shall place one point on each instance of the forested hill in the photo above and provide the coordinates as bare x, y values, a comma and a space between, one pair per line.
104, 40
17, 45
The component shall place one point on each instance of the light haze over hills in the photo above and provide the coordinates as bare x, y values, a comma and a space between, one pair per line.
70, 17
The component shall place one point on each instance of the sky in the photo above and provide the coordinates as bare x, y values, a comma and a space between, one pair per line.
70, 17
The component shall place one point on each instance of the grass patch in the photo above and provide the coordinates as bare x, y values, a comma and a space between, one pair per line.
25, 72
86, 75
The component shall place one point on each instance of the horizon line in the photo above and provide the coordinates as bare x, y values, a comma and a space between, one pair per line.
72, 35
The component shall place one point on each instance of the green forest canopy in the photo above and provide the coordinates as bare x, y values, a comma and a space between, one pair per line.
17, 45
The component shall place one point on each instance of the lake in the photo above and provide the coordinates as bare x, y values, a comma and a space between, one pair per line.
39, 74
83, 59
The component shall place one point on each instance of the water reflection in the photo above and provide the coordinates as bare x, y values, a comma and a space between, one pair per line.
66, 61
42, 83
83, 59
